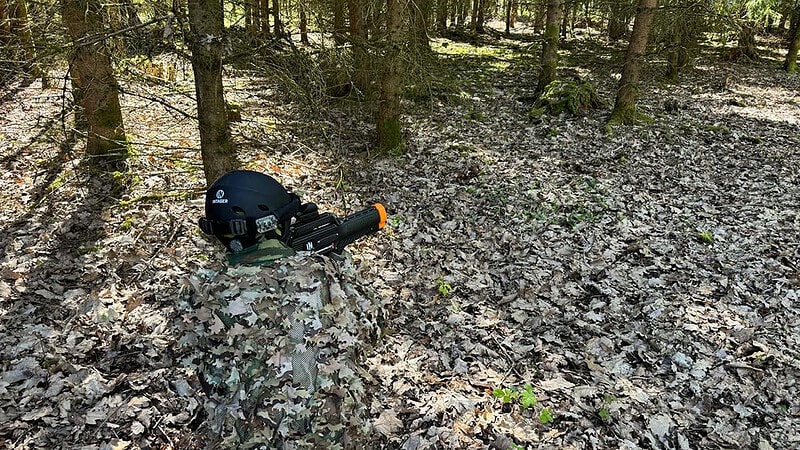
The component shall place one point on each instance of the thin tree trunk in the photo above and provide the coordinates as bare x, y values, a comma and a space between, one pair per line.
21, 29
358, 37
420, 11
540, 15
514, 9
625, 106
508, 17
473, 24
618, 20
388, 114
790, 64
276, 15
206, 23
264, 15
303, 24
339, 28
564, 19
94, 78
481, 19
5, 23
550, 46
441, 16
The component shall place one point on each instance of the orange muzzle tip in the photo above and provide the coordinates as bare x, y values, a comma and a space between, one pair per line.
381, 214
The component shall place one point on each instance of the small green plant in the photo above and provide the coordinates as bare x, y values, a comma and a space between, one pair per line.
517, 447
127, 224
705, 237
546, 416
507, 395
443, 287
527, 398
604, 414
396, 220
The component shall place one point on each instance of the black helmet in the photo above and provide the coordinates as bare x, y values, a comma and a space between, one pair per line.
243, 206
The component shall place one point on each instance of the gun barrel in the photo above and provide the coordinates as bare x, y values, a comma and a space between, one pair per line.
360, 224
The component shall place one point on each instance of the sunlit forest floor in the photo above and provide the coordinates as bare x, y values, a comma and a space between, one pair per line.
644, 283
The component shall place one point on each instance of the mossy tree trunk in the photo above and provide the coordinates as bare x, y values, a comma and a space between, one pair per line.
625, 105
550, 46
207, 40
790, 64
388, 113
94, 82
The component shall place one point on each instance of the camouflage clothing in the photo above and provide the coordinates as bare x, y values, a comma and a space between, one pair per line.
277, 347
264, 253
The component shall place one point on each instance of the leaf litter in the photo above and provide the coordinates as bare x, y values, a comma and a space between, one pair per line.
645, 284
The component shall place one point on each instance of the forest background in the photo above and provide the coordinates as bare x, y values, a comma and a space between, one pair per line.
592, 203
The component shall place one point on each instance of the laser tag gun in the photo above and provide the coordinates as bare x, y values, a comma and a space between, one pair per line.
322, 233
249, 211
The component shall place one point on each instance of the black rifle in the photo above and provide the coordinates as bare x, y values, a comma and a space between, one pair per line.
324, 232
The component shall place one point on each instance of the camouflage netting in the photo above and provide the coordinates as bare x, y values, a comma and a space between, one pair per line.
276, 349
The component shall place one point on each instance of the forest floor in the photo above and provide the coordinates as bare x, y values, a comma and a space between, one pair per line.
645, 284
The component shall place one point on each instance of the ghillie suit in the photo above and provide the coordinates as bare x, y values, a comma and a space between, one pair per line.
276, 349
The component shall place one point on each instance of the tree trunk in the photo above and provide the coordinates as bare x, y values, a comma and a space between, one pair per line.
94, 79
303, 24
625, 106
508, 17
339, 28
473, 24
276, 15
618, 20
481, 19
550, 46
5, 23
441, 16
790, 64
255, 16
388, 114
21, 29
564, 19
747, 41
420, 12
540, 15
264, 16
207, 40
358, 37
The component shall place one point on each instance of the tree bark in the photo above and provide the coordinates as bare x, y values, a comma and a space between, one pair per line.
480, 21
20, 28
206, 24
508, 17
303, 24
746, 45
5, 23
550, 46
420, 12
441, 16
618, 19
276, 15
339, 28
95, 83
790, 64
264, 16
388, 114
358, 36
625, 105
